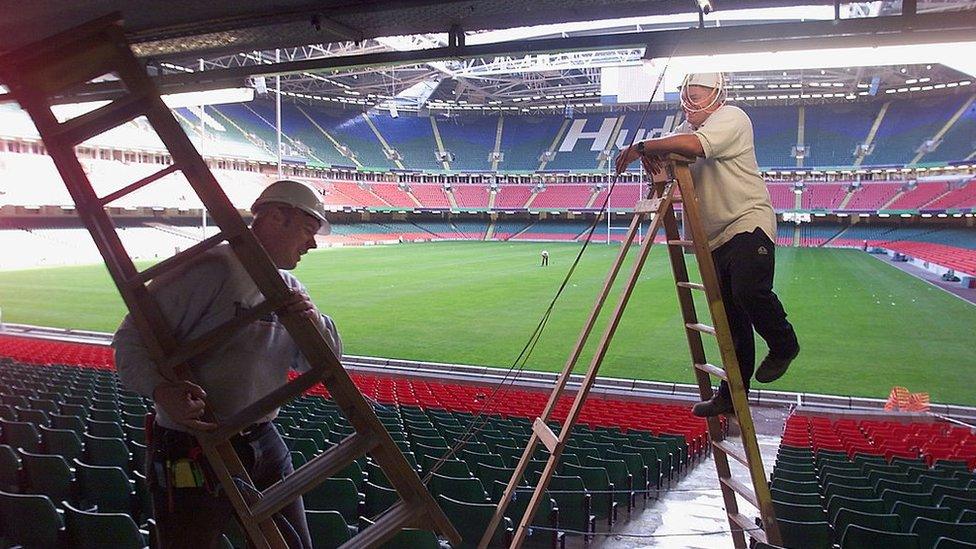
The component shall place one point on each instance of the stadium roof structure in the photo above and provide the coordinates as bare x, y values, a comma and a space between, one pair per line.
502, 54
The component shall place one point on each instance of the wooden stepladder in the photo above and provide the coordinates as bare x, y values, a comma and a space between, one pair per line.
676, 177
38, 73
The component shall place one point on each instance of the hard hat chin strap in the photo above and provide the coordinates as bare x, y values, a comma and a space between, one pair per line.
718, 97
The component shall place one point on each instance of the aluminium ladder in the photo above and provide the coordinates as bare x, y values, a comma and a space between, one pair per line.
675, 178
67, 61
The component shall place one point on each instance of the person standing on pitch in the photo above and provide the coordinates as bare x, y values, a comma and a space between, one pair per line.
545, 258
188, 504
739, 221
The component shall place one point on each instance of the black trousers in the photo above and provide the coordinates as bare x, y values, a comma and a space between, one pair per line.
745, 266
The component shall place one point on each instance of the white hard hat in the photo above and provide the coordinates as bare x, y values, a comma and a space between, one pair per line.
298, 195
704, 79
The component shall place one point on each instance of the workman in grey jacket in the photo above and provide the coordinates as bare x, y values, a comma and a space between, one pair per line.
739, 222
209, 291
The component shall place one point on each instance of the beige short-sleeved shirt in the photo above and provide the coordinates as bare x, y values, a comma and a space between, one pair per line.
732, 195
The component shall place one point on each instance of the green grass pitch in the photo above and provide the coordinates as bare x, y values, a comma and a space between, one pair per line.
863, 325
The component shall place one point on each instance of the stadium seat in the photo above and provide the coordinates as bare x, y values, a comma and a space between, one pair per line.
883, 522
890, 497
106, 451
62, 442
472, 519
805, 535
10, 471
909, 512
958, 505
856, 537
44, 530
836, 503
335, 494
950, 543
466, 489
107, 488
48, 475
785, 496
575, 505
94, 530
596, 480
20, 434
378, 499
929, 531
799, 513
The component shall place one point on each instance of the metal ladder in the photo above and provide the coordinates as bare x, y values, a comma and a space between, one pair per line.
676, 177
37, 73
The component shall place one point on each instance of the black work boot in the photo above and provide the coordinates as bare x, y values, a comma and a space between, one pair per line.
773, 368
718, 404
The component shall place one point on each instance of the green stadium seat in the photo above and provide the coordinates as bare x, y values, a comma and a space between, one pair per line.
108, 415
378, 499
958, 505
799, 513
909, 512
785, 496
890, 497
471, 521
92, 530
106, 451
62, 442
105, 429
597, 481
836, 489
335, 494
107, 488
465, 489
911, 487
575, 505
10, 471
489, 474
858, 537
45, 405
836, 503
20, 434
48, 475
929, 531
795, 476
875, 521
44, 530
805, 535
547, 514
620, 478
811, 487
68, 422
408, 538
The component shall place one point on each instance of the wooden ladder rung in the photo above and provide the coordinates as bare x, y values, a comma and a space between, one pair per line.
748, 526
713, 370
321, 467
175, 261
109, 198
741, 489
692, 285
271, 401
84, 127
730, 449
218, 335
699, 327
545, 434
684, 243
400, 515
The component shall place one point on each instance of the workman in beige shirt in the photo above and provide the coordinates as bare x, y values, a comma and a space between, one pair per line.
739, 221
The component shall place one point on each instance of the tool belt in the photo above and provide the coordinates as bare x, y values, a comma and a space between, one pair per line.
177, 461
